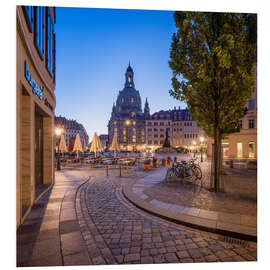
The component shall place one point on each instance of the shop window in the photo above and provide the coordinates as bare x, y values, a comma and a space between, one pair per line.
28, 13
251, 149
239, 149
251, 123
50, 49
39, 30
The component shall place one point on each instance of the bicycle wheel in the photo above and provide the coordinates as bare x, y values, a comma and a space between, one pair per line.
197, 171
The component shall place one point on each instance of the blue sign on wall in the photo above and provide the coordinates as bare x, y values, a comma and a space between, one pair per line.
35, 88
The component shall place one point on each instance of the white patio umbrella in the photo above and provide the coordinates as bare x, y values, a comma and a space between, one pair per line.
77, 145
62, 144
96, 145
114, 146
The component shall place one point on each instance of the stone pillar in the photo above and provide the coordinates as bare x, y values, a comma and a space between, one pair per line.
27, 151
48, 150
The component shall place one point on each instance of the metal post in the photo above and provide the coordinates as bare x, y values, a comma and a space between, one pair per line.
58, 160
201, 155
107, 170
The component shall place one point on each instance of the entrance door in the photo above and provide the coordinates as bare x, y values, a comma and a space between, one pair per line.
38, 149
239, 149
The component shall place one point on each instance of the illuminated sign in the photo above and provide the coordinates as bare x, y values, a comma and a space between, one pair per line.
35, 88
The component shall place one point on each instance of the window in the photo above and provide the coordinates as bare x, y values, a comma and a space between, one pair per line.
185, 136
161, 135
123, 100
155, 123
251, 149
190, 124
149, 129
251, 104
155, 129
39, 30
50, 49
161, 123
161, 142
169, 123
251, 123
155, 142
185, 124
132, 100
149, 123
149, 142
155, 136
161, 129
28, 13
240, 124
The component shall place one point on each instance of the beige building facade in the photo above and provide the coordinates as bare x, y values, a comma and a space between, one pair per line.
35, 85
243, 144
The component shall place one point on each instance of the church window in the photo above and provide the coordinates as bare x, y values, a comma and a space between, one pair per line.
132, 100
123, 100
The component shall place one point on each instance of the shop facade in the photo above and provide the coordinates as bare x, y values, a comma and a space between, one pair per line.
35, 86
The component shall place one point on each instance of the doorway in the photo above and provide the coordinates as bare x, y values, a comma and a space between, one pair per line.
239, 149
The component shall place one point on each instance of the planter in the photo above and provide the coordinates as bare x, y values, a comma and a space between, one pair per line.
163, 162
155, 164
146, 167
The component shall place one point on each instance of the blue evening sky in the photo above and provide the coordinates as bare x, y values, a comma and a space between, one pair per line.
93, 48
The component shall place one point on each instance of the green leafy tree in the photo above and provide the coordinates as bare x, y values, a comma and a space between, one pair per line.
213, 59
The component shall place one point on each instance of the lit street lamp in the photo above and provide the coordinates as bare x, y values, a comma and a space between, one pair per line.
194, 143
127, 123
201, 140
58, 133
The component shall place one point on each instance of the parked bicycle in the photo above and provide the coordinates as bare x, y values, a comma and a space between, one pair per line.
189, 171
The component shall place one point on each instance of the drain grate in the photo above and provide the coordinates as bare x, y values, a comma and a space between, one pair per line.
231, 240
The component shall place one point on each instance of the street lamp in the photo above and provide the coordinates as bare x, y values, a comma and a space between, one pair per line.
194, 143
201, 140
58, 132
127, 123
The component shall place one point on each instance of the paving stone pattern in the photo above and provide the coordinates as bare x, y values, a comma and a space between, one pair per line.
115, 231
90, 222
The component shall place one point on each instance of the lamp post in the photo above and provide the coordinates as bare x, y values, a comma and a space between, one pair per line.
194, 143
127, 123
201, 140
58, 133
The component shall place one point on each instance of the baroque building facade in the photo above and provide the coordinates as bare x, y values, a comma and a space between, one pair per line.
70, 129
182, 129
127, 120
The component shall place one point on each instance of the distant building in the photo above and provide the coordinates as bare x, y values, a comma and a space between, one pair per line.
182, 129
71, 128
104, 138
127, 119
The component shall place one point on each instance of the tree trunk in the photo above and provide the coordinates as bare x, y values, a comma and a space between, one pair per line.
217, 141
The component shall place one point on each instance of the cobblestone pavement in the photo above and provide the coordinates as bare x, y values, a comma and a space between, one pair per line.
116, 232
